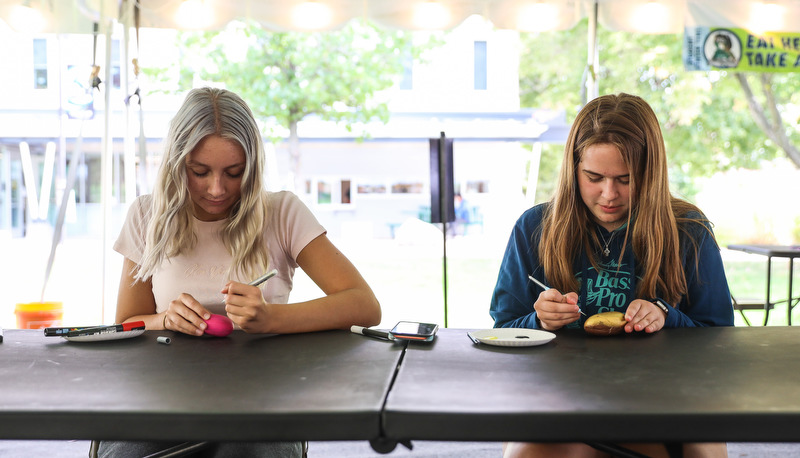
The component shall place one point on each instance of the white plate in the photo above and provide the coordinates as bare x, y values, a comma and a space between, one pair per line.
106, 336
512, 337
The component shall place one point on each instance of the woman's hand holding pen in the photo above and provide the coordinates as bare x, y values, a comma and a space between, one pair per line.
246, 307
643, 315
555, 310
186, 315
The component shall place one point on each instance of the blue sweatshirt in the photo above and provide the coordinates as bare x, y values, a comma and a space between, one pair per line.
707, 302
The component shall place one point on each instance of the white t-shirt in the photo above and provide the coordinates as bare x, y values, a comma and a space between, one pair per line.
202, 271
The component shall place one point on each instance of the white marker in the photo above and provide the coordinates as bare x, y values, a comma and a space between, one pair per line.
263, 278
545, 287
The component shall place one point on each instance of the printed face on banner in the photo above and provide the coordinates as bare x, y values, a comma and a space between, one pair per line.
722, 49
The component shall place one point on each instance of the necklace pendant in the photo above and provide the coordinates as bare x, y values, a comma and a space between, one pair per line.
606, 252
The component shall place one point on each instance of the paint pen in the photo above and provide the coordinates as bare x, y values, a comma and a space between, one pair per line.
545, 287
54, 332
261, 279
370, 332
132, 326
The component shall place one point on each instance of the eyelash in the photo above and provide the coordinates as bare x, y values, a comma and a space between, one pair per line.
202, 174
599, 179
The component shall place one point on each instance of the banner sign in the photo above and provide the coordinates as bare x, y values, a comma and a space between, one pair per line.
716, 48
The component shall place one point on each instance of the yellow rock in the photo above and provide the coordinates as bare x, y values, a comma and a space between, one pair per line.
605, 324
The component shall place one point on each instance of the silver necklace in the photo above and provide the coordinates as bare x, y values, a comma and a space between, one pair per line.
606, 251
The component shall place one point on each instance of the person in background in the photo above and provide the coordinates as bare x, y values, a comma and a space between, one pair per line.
613, 238
462, 214
209, 228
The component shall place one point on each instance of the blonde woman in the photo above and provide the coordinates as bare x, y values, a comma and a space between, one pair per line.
210, 227
612, 238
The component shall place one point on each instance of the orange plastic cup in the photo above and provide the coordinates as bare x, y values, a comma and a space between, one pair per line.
38, 315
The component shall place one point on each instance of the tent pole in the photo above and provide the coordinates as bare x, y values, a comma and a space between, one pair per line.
592, 57
107, 163
129, 142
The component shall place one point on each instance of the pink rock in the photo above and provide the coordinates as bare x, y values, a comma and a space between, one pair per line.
219, 325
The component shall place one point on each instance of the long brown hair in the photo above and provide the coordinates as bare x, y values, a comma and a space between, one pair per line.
628, 123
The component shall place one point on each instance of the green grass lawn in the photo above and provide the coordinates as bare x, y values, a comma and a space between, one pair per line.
748, 281
408, 283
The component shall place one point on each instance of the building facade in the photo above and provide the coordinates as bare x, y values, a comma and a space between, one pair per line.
50, 115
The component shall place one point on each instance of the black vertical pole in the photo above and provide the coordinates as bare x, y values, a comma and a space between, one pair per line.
443, 195
442, 190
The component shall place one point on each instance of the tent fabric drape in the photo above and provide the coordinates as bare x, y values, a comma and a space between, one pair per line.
643, 16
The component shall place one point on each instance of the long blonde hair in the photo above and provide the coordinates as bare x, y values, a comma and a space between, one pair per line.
629, 123
170, 232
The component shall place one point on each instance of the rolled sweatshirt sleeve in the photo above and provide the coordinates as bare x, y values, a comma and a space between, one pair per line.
514, 294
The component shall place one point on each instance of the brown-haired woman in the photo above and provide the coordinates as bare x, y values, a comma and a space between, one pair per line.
612, 238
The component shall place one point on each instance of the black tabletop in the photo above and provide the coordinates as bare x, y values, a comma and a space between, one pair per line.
780, 251
690, 384
316, 386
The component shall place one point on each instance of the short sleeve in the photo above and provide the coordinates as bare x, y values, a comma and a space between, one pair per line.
292, 224
132, 236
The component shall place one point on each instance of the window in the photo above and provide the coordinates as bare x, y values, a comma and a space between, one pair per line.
481, 80
115, 64
477, 186
345, 191
407, 188
39, 63
407, 81
371, 188
331, 192
324, 192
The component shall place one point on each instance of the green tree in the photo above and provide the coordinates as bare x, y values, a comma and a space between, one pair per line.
710, 124
288, 76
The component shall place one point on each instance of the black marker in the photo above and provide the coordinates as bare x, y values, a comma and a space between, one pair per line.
370, 332
53, 332
132, 326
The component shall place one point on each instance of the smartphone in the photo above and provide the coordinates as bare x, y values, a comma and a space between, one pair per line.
412, 330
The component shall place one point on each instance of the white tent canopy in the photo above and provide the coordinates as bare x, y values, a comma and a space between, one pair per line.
646, 16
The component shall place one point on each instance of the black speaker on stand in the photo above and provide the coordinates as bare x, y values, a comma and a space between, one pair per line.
442, 196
